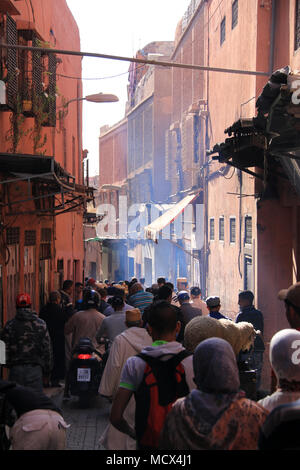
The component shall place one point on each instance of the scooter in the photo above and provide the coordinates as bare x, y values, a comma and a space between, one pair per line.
86, 369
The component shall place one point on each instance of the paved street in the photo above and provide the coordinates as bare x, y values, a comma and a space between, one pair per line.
87, 425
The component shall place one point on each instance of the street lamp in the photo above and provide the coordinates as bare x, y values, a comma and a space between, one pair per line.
95, 98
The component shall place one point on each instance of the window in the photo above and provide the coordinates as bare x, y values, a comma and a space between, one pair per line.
235, 13
297, 25
45, 251
30, 238
46, 235
196, 138
13, 235
212, 229
221, 229
248, 273
248, 230
232, 235
223, 30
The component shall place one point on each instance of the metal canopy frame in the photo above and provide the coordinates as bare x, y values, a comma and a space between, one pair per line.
64, 190
281, 131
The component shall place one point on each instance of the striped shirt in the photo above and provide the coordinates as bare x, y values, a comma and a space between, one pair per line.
141, 300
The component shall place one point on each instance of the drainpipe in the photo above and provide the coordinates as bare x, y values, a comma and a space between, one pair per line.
272, 39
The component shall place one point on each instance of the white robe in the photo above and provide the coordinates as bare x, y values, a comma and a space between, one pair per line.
127, 344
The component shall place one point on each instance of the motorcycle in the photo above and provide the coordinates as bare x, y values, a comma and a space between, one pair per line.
86, 369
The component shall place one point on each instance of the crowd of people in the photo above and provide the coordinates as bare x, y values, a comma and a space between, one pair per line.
179, 375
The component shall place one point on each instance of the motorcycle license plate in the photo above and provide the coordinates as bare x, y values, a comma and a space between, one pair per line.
84, 375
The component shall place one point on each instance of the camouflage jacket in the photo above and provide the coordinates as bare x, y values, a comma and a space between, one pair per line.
27, 341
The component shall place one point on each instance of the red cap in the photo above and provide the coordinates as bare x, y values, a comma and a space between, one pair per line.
23, 300
91, 281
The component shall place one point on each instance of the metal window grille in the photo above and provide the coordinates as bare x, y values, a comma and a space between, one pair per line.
297, 25
30, 238
221, 228
12, 63
37, 70
46, 235
45, 251
248, 230
212, 229
13, 235
223, 30
232, 230
235, 13
52, 89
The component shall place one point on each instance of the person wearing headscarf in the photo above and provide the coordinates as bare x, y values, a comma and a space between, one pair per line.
216, 415
285, 364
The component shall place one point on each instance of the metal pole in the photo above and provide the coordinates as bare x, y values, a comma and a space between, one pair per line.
133, 59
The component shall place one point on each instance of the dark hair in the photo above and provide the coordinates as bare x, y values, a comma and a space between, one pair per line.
195, 290
169, 284
115, 291
247, 295
162, 317
154, 289
289, 304
78, 284
90, 298
102, 291
164, 292
54, 296
116, 302
67, 284
161, 280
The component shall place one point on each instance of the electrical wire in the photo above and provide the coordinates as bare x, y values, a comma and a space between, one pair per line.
98, 78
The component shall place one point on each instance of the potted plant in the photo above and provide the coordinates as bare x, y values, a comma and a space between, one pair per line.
26, 97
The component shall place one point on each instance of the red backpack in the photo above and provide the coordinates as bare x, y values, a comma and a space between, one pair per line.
163, 383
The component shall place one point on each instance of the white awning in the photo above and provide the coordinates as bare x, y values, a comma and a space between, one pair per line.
152, 230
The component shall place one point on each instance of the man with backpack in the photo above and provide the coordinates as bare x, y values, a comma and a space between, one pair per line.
157, 376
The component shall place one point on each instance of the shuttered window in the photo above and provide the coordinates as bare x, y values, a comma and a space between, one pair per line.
223, 30
235, 13
297, 25
232, 230
221, 229
212, 229
248, 230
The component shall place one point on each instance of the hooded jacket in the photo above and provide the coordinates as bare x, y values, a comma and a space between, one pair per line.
27, 341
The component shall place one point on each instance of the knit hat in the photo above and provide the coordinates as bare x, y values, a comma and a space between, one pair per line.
133, 316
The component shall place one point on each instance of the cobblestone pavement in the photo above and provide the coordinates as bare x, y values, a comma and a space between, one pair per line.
86, 425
